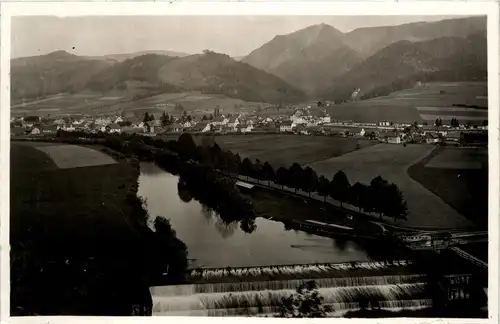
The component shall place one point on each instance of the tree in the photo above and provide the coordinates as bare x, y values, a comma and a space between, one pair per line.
186, 145
204, 117
438, 122
246, 167
296, 175
310, 181
395, 205
305, 303
357, 195
378, 194
146, 117
339, 187
323, 187
257, 170
189, 118
235, 163
165, 119
268, 172
454, 122
282, 177
485, 123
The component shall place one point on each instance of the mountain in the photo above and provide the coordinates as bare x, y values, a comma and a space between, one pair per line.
127, 56
218, 73
137, 72
308, 58
57, 72
146, 75
367, 41
401, 65
208, 72
316, 57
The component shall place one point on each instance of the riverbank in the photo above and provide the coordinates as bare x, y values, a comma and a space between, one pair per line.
73, 231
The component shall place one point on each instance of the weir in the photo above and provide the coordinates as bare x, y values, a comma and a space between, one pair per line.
250, 291
294, 270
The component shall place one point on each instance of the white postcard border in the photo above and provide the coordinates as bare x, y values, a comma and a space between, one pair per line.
9, 9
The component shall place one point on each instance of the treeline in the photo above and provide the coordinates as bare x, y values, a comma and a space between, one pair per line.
379, 196
184, 158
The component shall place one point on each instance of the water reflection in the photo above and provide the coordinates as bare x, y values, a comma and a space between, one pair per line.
212, 242
183, 192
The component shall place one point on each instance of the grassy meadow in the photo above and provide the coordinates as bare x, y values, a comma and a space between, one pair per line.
284, 150
72, 233
195, 103
410, 105
391, 162
453, 174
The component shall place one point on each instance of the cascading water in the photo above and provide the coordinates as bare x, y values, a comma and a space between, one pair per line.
226, 287
342, 298
293, 270
251, 291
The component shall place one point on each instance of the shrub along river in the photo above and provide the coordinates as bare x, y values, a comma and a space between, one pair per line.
212, 242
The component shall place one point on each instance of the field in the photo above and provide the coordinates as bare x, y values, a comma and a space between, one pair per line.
391, 162
73, 104
284, 150
464, 159
194, 103
426, 102
453, 175
72, 156
72, 233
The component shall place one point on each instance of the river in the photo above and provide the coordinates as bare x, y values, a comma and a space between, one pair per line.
213, 243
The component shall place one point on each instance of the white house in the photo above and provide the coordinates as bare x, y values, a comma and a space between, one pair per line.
432, 138
175, 128
188, 124
149, 127
244, 128
287, 126
219, 121
113, 128
326, 119
390, 137
68, 128
119, 119
356, 131
35, 131
201, 127
102, 121
299, 120
233, 122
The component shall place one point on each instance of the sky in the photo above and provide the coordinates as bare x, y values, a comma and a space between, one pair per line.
232, 35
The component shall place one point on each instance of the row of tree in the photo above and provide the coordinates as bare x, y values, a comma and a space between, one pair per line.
379, 196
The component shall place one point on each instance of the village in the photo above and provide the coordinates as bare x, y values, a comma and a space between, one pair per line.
303, 121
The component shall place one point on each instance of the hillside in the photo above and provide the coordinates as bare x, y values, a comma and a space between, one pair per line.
367, 41
57, 72
317, 57
127, 56
138, 72
147, 75
308, 58
218, 73
403, 64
